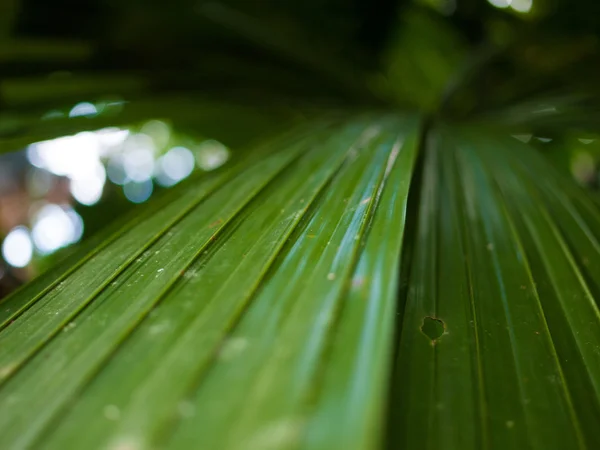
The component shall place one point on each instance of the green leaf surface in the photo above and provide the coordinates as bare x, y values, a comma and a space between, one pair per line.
54, 310
301, 298
499, 237
230, 271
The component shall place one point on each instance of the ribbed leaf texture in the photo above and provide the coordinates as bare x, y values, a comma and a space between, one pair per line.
506, 258
353, 285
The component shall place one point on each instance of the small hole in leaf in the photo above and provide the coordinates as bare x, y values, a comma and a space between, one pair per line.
432, 328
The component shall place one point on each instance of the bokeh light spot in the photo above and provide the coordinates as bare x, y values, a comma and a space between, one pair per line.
177, 164
500, 3
138, 157
116, 171
159, 131
211, 155
83, 109
522, 6
583, 167
138, 192
17, 248
87, 188
56, 227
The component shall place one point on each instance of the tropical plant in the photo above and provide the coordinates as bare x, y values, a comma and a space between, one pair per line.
380, 264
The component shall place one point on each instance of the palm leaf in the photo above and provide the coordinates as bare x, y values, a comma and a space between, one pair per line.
506, 308
241, 243
260, 304
355, 280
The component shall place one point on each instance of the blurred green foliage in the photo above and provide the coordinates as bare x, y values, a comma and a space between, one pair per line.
238, 70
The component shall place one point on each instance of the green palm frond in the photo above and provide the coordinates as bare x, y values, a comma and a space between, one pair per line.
511, 276
363, 273
255, 309
298, 237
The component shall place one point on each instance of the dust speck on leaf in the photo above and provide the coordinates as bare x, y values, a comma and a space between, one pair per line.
331, 276
69, 326
216, 223
190, 274
281, 434
233, 347
159, 328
